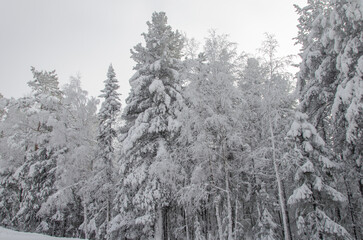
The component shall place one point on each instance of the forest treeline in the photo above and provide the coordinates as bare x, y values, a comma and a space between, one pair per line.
211, 143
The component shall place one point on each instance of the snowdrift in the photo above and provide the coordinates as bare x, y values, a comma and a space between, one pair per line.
7, 234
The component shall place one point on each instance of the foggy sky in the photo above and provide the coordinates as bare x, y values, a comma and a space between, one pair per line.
85, 36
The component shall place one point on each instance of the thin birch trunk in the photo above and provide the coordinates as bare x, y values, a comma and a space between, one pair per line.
219, 221
229, 205
108, 214
279, 184
269, 50
236, 218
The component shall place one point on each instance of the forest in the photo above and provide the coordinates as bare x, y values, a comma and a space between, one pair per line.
211, 143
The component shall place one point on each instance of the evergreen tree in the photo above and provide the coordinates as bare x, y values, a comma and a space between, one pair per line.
33, 131
100, 186
147, 168
347, 107
316, 194
11, 157
329, 82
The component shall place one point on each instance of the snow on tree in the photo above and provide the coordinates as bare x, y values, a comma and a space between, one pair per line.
265, 88
65, 208
317, 70
11, 157
330, 80
278, 104
147, 168
267, 226
99, 188
45, 84
251, 85
211, 139
347, 109
80, 121
33, 134
315, 194
47, 142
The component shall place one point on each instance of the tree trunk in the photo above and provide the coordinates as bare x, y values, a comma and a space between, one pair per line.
236, 218
279, 184
229, 205
165, 223
108, 209
85, 221
229, 208
219, 222
287, 212
352, 214
159, 231
186, 224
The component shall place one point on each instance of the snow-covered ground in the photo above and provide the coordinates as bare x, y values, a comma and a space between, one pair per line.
6, 234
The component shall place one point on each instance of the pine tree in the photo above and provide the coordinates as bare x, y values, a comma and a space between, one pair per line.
35, 177
45, 84
147, 168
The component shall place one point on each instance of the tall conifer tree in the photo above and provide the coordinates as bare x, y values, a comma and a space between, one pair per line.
101, 185
147, 168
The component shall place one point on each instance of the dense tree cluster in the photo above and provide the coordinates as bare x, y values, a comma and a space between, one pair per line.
211, 144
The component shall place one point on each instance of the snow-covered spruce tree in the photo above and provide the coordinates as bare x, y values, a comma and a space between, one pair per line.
100, 186
317, 70
148, 172
211, 141
329, 81
315, 197
347, 109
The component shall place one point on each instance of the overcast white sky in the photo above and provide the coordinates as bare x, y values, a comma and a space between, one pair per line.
85, 36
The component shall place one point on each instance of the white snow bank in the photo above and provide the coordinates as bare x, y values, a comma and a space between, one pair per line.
6, 234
